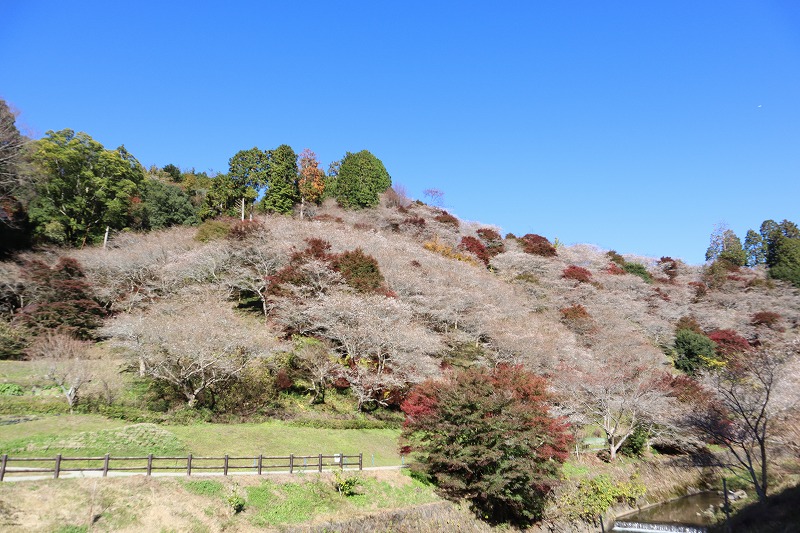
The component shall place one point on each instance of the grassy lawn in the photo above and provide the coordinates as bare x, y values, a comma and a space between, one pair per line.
94, 435
279, 438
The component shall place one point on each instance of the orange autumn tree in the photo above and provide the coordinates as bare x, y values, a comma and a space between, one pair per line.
311, 181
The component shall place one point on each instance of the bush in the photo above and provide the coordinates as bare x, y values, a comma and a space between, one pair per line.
700, 288
448, 251
414, 221
537, 245
694, 351
346, 486
474, 246
615, 257
614, 269
577, 273
766, 318
637, 269
446, 218
492, 240
243, 229
728, 342
212, 230
636, 443
670, 267
359, 270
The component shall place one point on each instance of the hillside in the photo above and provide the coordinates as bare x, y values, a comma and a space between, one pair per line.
338, 315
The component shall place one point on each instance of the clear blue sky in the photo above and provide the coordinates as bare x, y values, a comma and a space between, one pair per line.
632, 125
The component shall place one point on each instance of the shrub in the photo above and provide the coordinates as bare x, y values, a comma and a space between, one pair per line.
578, 319
728, 342
577, 273
243, 229
688, 322
636, 443
63, 299
669, 266
474, 246
212, 230
700, 288
448, 251
766, 318
537, 245
694, 351
359, 270
346, 486
414, 221
487, 435
637, 269
614, 269
446, 218
492, 240
615, 257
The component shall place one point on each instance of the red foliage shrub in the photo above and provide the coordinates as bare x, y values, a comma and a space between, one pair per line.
242, 229
577, 273
318, 249
415, 221
474, 246
574, 312
729, 342
661, 294
59, 298
766, 318
669, 266
614, 269
510, 236
537, 245
401, 209
446, 218
415, 263
488, 234
359, 270
328, 218
615, 257
686, 389
492, 240
700, 288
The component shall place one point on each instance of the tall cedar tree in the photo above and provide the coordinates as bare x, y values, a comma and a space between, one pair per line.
248, 170
282, 192
486, 435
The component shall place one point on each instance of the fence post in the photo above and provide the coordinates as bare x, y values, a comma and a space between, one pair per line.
3, 466
225, 466
291, 463
57, 468
361, 461
260, 462
189, 465
149, 463
105, 465
341, 461
320, 462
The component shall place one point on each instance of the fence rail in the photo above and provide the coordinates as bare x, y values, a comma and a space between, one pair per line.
255, 464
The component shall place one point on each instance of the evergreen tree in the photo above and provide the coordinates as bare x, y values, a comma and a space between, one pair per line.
249, 173
282, 192
361, 179
754, 249
726, 245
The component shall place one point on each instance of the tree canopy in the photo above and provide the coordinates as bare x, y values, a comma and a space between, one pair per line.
82, 189
361, 179
486, 435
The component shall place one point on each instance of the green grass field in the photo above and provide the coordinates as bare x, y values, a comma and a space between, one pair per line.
94, 435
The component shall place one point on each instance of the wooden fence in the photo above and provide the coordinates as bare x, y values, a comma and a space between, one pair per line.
147, 465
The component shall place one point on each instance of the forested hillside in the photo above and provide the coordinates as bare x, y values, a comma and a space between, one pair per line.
242, 296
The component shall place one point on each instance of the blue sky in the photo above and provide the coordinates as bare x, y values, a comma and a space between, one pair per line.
633, 125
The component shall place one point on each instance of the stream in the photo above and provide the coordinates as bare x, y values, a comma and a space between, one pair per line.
684, 515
